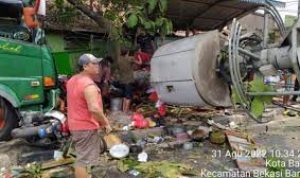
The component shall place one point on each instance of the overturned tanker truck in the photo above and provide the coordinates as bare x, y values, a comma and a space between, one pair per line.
202, 70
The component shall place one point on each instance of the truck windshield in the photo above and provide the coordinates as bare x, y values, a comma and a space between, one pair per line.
11, 9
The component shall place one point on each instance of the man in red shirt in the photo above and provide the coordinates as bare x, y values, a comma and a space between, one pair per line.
85, 114
142, 59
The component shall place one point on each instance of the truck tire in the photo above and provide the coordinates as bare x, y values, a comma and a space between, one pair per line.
8, 119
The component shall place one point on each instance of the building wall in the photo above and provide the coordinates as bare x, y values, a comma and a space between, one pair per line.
66, 53
55, 42
253, 22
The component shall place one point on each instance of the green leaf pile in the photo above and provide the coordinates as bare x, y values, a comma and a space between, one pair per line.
163, 168
127, 164
156, 168
258, 102
235, 97
34, 170
257, 107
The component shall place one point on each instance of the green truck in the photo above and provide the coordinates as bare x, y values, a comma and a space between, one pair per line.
28, 78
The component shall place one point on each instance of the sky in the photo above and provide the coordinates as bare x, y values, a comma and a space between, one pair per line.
290, 9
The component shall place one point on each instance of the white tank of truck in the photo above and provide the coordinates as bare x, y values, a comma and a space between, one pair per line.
183, 72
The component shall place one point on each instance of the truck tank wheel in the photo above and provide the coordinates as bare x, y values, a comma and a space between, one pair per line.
8, 119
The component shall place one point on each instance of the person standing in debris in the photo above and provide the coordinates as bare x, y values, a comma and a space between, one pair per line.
146, 42
142, 59
125, 78
85, 114
296, 88
105, 79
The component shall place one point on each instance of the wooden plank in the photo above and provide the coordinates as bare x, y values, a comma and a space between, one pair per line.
245, 160
54, 163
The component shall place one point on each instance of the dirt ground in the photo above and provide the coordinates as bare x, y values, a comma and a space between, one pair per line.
280, 133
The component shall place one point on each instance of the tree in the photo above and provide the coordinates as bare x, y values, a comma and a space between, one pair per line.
84, 7
115, 15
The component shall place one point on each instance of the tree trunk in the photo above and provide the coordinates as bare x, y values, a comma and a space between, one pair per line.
101, 21
97, 17
91, 5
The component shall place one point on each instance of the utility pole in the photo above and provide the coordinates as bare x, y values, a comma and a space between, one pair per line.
298, 8
266, 30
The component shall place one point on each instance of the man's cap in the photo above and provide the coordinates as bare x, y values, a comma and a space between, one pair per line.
87, 58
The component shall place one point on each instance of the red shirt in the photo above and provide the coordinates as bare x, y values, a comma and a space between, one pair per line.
79, 117
144, 56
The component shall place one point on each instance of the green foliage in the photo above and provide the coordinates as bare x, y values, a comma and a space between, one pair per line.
163, 5
34, 170
163, 169
257, 85
167, 27
132, 20
65, 13
155, 168
257, 107
127, 164
276, 169
110, 15
234, 97
151, 17
273, 167
159, 21
151, 5
148, 15
59, 3
258, 102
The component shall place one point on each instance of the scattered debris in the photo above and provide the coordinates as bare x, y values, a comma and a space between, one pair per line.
134, 172
111, 140
4, 161
119, 151
157, 143
177, 130
139, 121
127, 164
36, 156
200, 133
232, 125
135, 149
164, 169
182, 137
217, 137
290, 113
143, 157
34, 170
155, 139
57, 155
220, 126
54, 163
38, 170
188, 146
247, 155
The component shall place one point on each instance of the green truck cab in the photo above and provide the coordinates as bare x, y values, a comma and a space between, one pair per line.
28, 78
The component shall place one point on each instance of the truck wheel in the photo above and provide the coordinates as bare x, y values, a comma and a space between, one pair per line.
8, 119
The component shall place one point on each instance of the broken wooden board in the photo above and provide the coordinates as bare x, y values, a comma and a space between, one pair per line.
248, 156
55, 163
59, 172
249, 164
